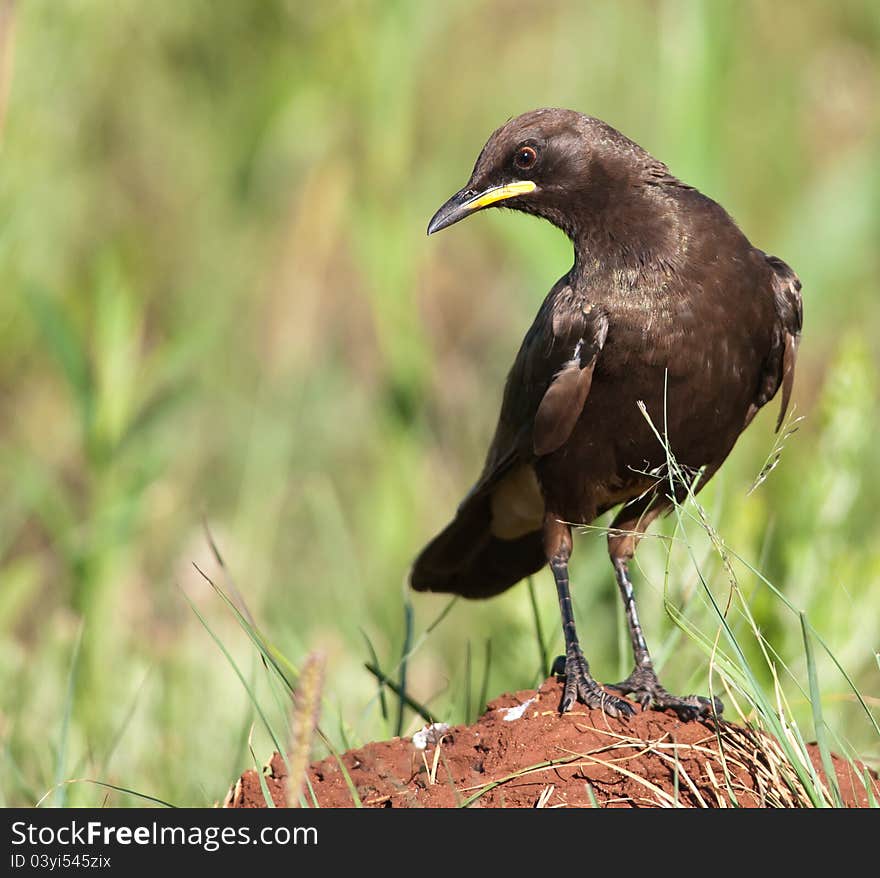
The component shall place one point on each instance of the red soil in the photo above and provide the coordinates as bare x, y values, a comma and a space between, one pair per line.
582, 759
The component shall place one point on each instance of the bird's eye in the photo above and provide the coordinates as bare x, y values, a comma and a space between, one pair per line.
525, 158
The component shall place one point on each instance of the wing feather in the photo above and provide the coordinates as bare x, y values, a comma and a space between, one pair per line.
779, 366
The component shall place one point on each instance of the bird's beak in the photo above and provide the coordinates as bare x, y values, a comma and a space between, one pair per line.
467, 201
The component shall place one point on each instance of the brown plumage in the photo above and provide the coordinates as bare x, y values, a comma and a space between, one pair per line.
667, 304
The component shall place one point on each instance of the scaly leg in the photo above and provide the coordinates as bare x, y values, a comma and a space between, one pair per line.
579, 684
630, 523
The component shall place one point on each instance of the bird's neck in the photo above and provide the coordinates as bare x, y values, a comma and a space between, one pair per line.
633, 236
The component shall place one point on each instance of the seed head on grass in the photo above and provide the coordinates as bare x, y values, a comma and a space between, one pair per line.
305, 713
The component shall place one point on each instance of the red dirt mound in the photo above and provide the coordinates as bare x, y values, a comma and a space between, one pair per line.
521, 753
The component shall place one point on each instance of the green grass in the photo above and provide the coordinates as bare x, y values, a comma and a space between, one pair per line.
219, 304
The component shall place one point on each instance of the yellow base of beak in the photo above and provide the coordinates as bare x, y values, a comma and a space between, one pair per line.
499, 193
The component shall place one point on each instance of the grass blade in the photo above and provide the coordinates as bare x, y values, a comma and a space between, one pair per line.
414, 705
374, 660
407, 642
261, 776
484, 685
70, 697
468, 672
539, 631
819, 719
109, 786
250, 691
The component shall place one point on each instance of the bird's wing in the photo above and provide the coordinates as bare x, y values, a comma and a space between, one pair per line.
548, 384
478, 554
779, 366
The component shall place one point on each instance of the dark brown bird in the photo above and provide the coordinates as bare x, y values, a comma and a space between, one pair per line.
667, 305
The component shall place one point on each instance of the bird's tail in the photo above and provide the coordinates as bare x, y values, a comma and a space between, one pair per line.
466, 558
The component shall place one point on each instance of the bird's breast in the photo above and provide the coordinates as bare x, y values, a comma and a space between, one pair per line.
684, 364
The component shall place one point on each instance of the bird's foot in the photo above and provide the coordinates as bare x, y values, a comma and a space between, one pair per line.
580, 686
644, 685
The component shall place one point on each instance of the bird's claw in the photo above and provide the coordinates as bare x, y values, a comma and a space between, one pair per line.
644, 686
580, 686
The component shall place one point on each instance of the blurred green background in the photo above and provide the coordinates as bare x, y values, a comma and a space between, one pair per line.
219, 303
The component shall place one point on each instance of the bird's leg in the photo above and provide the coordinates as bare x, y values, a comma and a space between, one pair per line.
643, 682
579, 684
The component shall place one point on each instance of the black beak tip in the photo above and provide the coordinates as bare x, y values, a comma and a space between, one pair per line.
439, 221
455, 209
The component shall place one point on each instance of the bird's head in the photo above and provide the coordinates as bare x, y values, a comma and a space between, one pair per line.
554, 163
